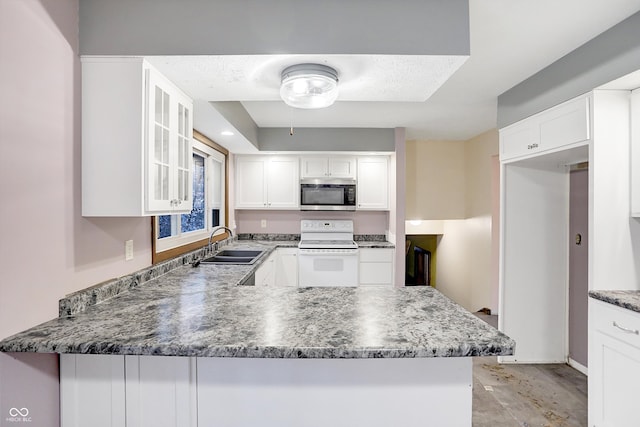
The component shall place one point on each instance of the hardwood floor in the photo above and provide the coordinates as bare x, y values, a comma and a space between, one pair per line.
527, 395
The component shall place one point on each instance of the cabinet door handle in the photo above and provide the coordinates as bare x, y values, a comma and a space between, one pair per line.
627, 330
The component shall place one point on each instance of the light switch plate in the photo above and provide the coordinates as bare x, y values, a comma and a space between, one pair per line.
263, 223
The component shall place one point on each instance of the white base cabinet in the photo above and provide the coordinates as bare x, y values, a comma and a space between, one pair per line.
614, 366
92, 390
132, 391
246, 392
279, 269
376, 266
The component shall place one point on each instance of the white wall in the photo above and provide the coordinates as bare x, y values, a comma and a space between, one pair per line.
449, 187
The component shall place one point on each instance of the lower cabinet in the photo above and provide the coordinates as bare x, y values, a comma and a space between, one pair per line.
266, 273
376, 266
280, 269
132, 391
614, 365
159, 391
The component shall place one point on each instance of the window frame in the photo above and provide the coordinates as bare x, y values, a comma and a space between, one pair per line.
158, 254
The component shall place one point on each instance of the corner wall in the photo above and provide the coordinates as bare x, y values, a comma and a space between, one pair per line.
47, 248
464, 261
40, 172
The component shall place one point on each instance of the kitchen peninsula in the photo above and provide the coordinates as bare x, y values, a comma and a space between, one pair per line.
247, 355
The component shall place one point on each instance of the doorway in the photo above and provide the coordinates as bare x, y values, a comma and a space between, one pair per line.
578, 265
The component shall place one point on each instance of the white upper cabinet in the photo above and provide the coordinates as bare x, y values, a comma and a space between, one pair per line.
556, 128
328, 167
373, 183
267, 182
136, 140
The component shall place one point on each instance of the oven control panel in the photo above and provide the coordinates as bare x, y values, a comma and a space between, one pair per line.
327, 226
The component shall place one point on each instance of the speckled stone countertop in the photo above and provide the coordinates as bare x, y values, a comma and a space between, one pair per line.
625, 299
199, 311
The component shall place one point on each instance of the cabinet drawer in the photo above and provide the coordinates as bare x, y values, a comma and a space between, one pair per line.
616, 322
376, 255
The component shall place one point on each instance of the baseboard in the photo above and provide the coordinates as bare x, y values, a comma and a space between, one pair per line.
578, 366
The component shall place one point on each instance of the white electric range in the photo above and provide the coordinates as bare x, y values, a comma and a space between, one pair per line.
327, 253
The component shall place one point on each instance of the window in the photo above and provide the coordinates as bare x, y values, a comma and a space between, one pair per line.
177, 234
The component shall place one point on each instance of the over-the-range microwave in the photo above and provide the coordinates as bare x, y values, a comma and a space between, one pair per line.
327, 194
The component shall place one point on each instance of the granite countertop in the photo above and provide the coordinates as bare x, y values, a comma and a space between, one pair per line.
625, 299
199, 311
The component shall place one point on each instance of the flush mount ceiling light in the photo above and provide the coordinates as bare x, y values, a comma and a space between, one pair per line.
309, 86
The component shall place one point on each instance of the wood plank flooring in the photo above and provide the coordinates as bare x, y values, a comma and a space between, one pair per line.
553, 395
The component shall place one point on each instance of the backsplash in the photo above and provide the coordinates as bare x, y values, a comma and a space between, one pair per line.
288, 222
78, 301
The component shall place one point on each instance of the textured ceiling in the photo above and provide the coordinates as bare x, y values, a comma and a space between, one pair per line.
510, 41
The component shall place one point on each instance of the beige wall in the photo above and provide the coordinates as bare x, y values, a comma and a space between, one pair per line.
435, 180
449, 187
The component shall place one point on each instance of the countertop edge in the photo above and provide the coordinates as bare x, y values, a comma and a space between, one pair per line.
629, 300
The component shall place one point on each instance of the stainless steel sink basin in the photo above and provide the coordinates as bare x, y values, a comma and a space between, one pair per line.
239, 253
233, 256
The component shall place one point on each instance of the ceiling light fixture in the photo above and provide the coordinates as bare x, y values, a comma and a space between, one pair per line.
309, 86
226, 133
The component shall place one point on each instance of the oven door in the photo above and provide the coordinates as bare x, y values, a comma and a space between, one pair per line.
327, 267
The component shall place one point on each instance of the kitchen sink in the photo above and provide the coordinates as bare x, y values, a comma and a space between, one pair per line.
234, 256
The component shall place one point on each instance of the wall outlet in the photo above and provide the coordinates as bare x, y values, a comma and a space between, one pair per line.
128, 250
263, 223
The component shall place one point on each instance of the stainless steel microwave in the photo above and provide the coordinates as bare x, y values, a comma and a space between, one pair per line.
327, 194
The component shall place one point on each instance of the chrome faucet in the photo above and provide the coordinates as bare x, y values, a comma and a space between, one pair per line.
218, 228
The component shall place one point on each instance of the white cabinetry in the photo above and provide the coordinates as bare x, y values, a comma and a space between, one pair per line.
614, 365
267, 182
92, 390
373, 183
136, 140
559, 127
635, 153
280, 269
266, 273
376, 266
132, 391
323, 167
286, 267
161, 391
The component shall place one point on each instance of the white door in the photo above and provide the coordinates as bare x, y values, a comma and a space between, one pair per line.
373, 183
283, 183
251, 189
342, 167
287, 267
314, 167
